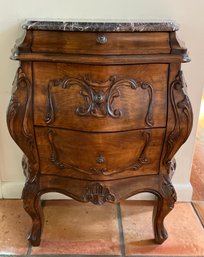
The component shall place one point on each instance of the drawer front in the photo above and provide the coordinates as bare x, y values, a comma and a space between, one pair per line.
99, 156
100, 43
100, 98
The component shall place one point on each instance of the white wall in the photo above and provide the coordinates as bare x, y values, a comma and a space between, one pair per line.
188, 13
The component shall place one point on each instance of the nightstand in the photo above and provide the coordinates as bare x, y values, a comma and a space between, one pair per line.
99, 110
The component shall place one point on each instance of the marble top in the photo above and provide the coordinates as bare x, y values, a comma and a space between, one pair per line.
106, 26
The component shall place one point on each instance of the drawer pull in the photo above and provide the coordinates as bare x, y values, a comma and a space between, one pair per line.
101, 39
99, 98
100, 159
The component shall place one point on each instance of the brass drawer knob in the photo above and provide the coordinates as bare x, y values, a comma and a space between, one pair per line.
99, 97
100, 159
101, 39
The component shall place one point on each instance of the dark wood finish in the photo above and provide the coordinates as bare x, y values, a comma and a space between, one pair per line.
99, 118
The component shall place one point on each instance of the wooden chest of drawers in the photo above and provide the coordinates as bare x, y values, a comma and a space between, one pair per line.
99, 110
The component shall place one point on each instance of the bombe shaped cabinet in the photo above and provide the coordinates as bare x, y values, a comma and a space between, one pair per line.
99, 110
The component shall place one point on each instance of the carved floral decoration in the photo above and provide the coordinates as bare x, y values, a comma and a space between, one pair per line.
168, 192
98, 194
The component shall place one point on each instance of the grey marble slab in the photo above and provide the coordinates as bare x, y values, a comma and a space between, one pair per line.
101, 26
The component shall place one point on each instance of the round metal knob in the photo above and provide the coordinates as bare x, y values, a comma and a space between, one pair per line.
100, 159
99, 97
101, 39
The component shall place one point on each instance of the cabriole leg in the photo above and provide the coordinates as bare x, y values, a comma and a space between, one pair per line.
32, 205
165, 203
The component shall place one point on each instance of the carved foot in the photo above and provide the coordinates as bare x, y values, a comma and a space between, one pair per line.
35, 236
161, 235
165, 203
160, 212
32, 205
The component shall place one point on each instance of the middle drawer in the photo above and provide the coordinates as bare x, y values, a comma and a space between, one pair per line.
100, 98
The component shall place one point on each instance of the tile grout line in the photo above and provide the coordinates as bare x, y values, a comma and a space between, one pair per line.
69, 255
120, 228
29, 250
85, 255
197, 214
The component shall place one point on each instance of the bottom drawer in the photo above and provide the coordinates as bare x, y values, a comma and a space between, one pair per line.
99, 156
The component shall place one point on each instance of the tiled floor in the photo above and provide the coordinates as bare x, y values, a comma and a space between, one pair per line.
73, 228
186, 234
14, 226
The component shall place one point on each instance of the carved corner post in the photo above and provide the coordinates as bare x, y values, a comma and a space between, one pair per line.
180, 118
20, 125
180, 121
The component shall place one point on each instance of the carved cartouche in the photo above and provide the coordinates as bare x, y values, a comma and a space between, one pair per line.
98, 102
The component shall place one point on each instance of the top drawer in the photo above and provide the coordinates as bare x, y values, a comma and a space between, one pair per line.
100, 43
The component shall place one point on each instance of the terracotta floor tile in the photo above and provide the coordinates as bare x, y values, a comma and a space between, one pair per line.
199, 206
186, 234
78, 228
14, 227
197, 174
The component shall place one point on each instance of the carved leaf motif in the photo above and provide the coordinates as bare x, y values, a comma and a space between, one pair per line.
98, 194
168, 192
99, 103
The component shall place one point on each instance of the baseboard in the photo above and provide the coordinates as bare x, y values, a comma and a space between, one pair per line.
13, 190
184, 192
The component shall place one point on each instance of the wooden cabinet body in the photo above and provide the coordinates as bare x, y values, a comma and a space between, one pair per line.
100, 113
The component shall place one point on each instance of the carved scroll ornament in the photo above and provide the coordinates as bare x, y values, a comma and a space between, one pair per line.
183, 118
99, 102
140, 161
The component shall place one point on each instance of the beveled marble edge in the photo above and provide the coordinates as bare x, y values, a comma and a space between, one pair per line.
101, 26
